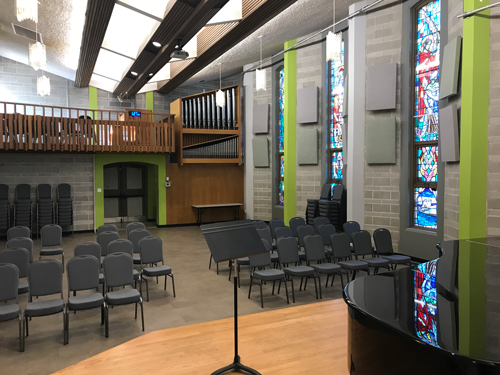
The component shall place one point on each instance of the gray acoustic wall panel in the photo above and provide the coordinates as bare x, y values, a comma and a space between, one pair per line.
261, 119
449, 148
260, 148
450, 68
381, 87
307, 105
307, 146
381, 141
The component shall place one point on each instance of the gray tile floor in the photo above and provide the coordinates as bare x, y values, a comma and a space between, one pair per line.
202, 296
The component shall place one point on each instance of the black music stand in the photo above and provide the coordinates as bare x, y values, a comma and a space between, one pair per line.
228, 241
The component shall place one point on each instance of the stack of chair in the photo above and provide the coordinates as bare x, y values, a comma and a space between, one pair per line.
335, 209
4, 208
22, 206
44, 206
313, 204
64, 206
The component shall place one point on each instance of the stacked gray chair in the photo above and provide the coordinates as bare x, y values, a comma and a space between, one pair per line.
342, 255
15, 232
313, 204
296, 222
9, 279
83, 274
21, 242
107, 228
52, 242
124, 246
64, 206
44, 279
20, 258
45, 214
362, 243
4, 208
134, 226
336, 208
104, 239
22, 206
118, 273
135, 236
93, 249
383, 244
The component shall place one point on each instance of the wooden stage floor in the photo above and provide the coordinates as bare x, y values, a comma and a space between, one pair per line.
309, 339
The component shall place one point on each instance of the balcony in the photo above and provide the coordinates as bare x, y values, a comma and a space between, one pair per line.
36, 128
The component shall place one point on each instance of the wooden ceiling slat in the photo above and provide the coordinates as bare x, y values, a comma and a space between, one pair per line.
178, 66
212, 34
249, 6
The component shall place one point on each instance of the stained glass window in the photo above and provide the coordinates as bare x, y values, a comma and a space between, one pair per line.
425, 302
426, 114
281, 132
336, 120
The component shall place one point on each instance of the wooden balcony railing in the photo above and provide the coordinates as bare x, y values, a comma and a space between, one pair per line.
45, 128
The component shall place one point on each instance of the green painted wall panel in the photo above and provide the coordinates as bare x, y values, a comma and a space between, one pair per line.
150, 101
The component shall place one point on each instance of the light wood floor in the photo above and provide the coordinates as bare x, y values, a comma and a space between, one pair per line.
310, 339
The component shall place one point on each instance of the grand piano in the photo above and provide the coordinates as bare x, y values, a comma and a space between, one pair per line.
441, 317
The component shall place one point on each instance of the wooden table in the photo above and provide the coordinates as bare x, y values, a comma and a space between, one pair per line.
203, 207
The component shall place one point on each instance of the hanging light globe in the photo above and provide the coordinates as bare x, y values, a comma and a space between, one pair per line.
220, 98
27, 10
43, 86
333, 46
37, 56
260, 79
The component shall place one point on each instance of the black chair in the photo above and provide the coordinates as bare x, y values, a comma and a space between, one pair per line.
307, 230
21, 242
94, 249
325, 231
107, 228
104, 239
52, 242
259, 224
135, 236
4, 207
318, 221
296, 222
45, 214
351, 227
313, 204
265, 234
133, 226
342, 255
362, 242
19, 231
336, 208
20, 258
285, 232
9, 279
275, 223
22, 206
124, 246
383, 244
64, 209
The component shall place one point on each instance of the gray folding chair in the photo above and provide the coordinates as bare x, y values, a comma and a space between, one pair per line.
44, 279
285, 232
289, 255
118, 269
362, 242
351, 227
383, 244
296, 222
306, 230
83, 274
20, 258
325, 231
258, 272
18, 231
9, 279
275, 223
315, 252
124, 246
51, 236
94, 249
265, 234
107, 228
259, 224
104, 239
135, 236
320, 220
342, 255
151, 250
133, 226
21, 242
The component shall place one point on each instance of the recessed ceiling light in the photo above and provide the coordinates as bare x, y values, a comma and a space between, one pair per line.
150, 74
134, 73
156, 44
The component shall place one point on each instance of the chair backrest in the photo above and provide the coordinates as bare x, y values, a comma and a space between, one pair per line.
134, 226
9, 282
45, 278
118, 270
362, 243
303, 231
338, 190
151, 250
261, 260
63, 191
259, 224
265, 234
19, 231
104, 239
325, 192
136, 235
325, 231
51, 235
89, 248
341, 246
83, 272
288, 250
44, 191
23, 191
4, 192
107, 228
314, 247
383, 241
275, 223
296, 222
320, 220
24, 242
283, 232
350, 227
121, 246
18, 257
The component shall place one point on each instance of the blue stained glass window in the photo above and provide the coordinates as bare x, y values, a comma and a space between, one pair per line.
281, 132
425, 211
337, 165
427, 163
336, 100
425, 302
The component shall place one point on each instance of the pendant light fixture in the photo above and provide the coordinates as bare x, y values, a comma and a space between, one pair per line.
260, 74
333, 42
43, 85
220, 98
37, 56
27, 10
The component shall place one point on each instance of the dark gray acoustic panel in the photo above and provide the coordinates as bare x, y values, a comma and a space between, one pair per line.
448, 134
261, 119
381, 141
381, 87
260, 148
450, 68
307, 105
307, 146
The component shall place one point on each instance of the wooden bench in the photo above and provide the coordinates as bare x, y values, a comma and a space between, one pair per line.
203, 207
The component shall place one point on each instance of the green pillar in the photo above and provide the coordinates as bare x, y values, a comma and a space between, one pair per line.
290, 130
92, 98
150, 101
474, 122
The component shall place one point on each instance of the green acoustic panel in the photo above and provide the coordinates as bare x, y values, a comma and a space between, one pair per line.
381, 141
450, 68
260, 147
307, 149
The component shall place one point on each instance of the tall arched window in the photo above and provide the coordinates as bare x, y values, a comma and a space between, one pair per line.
336, 89
426, 115
281, 132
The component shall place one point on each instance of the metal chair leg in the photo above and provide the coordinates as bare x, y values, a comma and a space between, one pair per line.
106, 321
286, 291
293, 293
274, 284
136, 310
261, 297
66, 326
142, 315
319, 286
27, 328
250, 287
315, 287
327, 277
21, 336
238, 275
173, 284
147, 289
210, 264
165, 287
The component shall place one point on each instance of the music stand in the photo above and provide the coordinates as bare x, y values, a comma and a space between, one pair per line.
230, 241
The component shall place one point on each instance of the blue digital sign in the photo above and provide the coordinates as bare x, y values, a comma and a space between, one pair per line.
135, 114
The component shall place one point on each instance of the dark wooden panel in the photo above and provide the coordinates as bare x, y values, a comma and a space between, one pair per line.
248, 6
178, 66
212, 34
